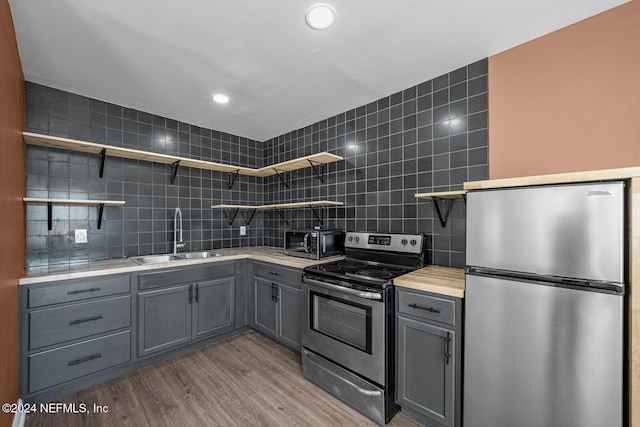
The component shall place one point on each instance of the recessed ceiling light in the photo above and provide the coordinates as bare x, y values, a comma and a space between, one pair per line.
220, 98
320, 16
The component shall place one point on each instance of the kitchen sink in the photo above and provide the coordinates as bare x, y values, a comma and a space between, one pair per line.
155, 259
201, 254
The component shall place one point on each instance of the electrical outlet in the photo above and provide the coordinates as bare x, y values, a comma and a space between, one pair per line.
243, 230
81, 235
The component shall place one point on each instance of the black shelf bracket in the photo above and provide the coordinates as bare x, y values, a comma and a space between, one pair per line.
282, 178
282, 216
443, 218
49, 215
318, 213
102, 156
248, 220
320, 169
100, 211
232, 178
174, 170
231, 218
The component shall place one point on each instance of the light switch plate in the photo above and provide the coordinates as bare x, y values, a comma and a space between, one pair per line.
243, 230
81, 235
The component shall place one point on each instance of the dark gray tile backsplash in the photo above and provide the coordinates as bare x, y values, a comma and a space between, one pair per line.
431, 137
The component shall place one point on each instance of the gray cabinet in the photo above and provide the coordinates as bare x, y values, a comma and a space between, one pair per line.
428, 359
265, 306
72, 329
277, 303
290, 315
171, 316
164, 319
213, 310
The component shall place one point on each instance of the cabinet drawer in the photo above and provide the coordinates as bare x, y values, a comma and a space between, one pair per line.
427, 307
53, 367
279, 274
158, 279
78, 290
60, 324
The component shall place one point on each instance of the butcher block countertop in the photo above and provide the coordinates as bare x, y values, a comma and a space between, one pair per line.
52, 273
439, 280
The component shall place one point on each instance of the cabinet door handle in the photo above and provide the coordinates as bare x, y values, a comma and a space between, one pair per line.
273, 292
88, 319
447, 355
197, 293
190, 297
81, 291
273, 273
84, 359
419, 307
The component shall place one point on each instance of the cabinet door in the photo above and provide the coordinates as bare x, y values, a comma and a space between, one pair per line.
290, 316
164, 319
425, 373
264, 317
213, 310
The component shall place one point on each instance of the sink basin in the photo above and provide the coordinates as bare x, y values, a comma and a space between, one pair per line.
155, 259
202, 254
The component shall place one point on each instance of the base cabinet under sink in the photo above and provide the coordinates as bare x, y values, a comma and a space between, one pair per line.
172, 316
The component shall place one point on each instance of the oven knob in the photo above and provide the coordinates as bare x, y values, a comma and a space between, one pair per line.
413, 242
350, 238
357, 239
404, 242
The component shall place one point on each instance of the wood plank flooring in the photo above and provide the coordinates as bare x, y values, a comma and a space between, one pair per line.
246, 380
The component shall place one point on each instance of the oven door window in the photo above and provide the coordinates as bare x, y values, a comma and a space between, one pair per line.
341, 320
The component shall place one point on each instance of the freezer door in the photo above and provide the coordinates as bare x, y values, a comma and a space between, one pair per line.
538, 355
572, 231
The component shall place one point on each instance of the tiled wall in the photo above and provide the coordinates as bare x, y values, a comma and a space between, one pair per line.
431, 137
145, 224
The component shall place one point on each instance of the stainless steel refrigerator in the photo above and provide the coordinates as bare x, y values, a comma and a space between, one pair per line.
544, 307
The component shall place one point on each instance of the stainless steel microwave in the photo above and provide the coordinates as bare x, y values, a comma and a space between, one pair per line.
313, 244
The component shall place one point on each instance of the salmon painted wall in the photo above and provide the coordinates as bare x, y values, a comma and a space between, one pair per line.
568, 101
12, 221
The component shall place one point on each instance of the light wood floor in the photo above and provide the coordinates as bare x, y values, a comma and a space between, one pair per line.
246, 380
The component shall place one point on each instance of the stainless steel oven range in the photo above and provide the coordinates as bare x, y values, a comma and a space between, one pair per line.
348, 323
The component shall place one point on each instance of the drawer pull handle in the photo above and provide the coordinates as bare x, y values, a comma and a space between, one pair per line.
429, 309
85, 359
88, 319
83, 291
273, 273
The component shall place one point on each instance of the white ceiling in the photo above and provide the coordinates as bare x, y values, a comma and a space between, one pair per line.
168, 57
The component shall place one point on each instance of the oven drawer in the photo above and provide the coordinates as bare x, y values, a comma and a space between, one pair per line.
60, 324
429, 307
278, 274
349, 388
53, 367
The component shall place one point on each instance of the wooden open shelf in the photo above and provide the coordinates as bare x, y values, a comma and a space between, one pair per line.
277, 207
314, 160
50, 202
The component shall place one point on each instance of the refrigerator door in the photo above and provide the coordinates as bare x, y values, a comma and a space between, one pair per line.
569, 231
538, 355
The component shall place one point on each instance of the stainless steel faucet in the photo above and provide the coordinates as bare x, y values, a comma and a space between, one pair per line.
177, 225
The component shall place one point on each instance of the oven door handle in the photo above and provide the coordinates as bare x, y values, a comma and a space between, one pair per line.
361, 294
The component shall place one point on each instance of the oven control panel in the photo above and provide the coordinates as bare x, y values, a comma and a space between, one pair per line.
393, 242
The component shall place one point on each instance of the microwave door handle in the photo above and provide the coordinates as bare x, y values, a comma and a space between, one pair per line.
306, 243
361, 294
